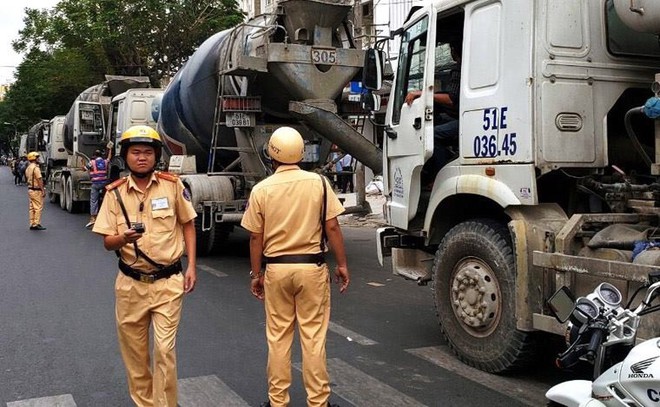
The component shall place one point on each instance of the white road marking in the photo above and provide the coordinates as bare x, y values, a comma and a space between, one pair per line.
375, 284
360, 389
207, 391
350, 335
211, 270
526, 391
65, 400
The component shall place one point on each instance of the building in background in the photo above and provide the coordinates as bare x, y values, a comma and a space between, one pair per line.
3, 91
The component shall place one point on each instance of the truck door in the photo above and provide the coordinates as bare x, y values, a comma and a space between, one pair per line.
89, 128
408, 140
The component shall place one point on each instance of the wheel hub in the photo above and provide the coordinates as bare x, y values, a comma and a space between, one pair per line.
475, 297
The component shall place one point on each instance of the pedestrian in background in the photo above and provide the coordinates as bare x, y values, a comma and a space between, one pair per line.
22, 166
346, 174
98, 174
36, 191
15, 172
289, 215
148, 219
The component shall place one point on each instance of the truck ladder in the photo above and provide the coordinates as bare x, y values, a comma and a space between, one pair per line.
218, 123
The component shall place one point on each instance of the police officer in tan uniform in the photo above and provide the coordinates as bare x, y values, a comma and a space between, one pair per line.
288, 221
147, 217
36, 191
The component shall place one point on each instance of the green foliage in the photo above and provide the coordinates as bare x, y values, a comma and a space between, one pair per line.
129, 37
73, 45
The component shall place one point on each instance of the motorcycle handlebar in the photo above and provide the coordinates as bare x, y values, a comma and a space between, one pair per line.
590, 349
594, 342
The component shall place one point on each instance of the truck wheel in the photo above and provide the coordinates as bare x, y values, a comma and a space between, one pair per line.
63, 189
222, 232
474, 290
52, 198
69, 195
205, 239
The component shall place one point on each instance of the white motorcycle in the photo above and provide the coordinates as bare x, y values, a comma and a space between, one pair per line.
603, 332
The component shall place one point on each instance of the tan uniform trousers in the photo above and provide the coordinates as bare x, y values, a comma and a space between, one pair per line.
36, 205
137, 306
297, 293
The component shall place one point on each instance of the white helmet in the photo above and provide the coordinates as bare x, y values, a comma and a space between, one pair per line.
286, 146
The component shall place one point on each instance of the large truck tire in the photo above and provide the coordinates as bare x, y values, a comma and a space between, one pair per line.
52, 197
63, 189
205, 240
71, 205
222, 232
474, 291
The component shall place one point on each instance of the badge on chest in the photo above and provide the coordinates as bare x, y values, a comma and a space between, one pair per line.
159, 204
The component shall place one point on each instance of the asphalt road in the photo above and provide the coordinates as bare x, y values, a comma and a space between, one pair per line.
58, 344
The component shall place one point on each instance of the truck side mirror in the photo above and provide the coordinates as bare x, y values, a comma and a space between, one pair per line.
372, 72
370, 101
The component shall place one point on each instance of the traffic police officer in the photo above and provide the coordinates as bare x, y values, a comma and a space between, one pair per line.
146, 217
289, 214
36, 191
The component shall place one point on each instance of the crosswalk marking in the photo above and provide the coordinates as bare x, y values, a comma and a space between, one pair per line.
362, 390
207, 391
350, 335
65, 400
526, 391
211, 270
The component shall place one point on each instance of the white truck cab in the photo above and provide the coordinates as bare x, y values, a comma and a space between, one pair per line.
552, 146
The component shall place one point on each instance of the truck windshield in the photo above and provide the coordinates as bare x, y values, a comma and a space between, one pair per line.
623, 41
410, 72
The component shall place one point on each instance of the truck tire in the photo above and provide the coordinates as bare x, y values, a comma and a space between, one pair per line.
474, 291
222, 232
52, 197
71, 205
63, 189
205, 240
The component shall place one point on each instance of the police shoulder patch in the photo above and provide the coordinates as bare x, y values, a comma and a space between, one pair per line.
186, 194
167, 176
115, 184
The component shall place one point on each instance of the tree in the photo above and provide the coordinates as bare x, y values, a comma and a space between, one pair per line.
128, 37
46, 85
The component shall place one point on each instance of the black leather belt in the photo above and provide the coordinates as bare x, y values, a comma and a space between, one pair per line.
34, 189
150, 278
318, 259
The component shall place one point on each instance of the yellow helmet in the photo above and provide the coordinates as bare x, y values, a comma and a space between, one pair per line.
286, 146
32, 156
140, 135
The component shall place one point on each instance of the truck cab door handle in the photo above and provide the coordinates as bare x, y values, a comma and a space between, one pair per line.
391, 133
418, 123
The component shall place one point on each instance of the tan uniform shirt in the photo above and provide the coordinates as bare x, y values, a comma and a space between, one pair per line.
33, 175
286, 209
165, 206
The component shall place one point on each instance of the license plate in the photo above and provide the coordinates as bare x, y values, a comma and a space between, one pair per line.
237, 119
86, 115
324, 56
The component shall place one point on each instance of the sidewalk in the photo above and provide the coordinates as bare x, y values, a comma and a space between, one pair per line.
374, 219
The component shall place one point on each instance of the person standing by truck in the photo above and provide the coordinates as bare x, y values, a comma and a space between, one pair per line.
289, 215
98, 174
147, 218
36, 191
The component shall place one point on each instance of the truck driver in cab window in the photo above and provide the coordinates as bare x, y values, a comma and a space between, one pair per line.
446, 106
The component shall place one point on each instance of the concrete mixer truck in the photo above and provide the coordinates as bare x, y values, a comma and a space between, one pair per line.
97, 116
551, 178
287, 68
